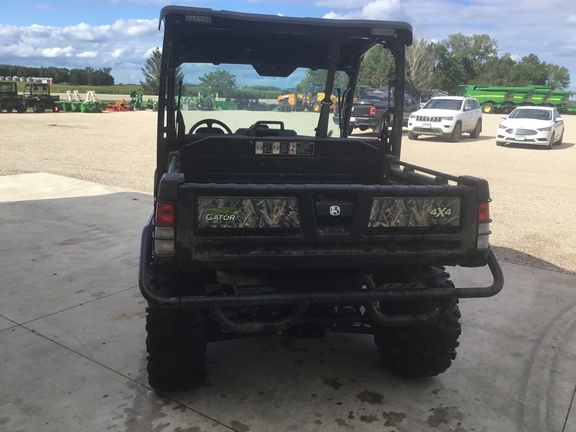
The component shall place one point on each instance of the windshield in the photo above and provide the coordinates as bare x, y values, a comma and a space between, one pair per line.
380, 95
238, 97
446, 104
535, 114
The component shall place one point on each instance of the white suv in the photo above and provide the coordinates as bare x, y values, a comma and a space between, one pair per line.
447, 116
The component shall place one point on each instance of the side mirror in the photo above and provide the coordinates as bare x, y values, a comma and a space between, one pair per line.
504, 117
466, 108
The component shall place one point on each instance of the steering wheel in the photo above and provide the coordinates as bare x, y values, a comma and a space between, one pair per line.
209, 128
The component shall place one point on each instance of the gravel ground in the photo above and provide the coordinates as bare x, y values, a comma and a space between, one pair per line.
533, 190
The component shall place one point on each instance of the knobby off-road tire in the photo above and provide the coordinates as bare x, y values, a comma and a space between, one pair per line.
425, 350
176, 345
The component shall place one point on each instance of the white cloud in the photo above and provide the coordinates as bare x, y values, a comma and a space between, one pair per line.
121, 45
571, 19
58, 52
117, 53
87, 54
136, 27
390, 10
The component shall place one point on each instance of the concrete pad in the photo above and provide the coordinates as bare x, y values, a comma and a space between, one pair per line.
77, 358
47, 387
4, 324
61, 243
110, 331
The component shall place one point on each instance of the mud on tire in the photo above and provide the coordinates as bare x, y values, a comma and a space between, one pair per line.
424, 350
176, 345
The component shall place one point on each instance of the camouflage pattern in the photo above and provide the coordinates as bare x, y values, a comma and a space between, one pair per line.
389, 212
248, 213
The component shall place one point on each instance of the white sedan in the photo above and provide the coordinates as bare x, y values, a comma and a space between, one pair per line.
531, 125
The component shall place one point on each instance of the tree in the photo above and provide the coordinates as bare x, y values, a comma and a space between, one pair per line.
498, 71
377, 68
558, 77
531, 71
221, 82
449, 72
473, 50
419, 67
151, 72
320, 76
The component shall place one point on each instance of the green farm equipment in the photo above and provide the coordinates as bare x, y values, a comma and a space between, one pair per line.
90, 104
505, 99
560, 98
39, 98
490, 98
10, 100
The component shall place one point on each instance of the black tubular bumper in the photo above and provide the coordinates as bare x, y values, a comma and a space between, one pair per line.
387, 292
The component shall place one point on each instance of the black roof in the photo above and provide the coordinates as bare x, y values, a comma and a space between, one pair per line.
274, 45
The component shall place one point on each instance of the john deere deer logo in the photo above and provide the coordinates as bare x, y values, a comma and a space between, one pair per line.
335, 211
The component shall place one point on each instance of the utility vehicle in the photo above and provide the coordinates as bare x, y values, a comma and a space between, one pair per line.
271, 223
10, 100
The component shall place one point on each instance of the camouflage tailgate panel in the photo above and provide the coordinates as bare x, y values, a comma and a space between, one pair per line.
391, 212
248, 213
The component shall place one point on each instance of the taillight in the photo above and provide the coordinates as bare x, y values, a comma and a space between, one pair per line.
483, 226
372, 112
164, 214
164, 221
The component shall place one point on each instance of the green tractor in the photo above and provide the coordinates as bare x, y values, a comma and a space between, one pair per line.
10, 100
39, 98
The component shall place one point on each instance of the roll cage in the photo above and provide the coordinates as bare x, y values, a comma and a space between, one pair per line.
274, 46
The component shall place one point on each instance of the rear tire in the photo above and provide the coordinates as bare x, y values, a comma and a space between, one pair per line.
176, 345
9, 110
422, 350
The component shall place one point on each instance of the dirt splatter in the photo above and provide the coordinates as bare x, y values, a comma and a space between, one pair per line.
370, 397
368, 418
190, 429
332, 383
392, 418
342, 422
443, 415
239, 427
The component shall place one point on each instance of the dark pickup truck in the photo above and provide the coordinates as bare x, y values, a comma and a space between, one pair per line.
271, 225
371, 109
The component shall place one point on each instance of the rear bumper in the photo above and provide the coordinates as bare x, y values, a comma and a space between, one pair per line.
388, 292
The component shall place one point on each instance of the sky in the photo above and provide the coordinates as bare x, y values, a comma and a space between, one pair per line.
120, 34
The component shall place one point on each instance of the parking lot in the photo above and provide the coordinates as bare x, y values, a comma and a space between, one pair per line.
74, 194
